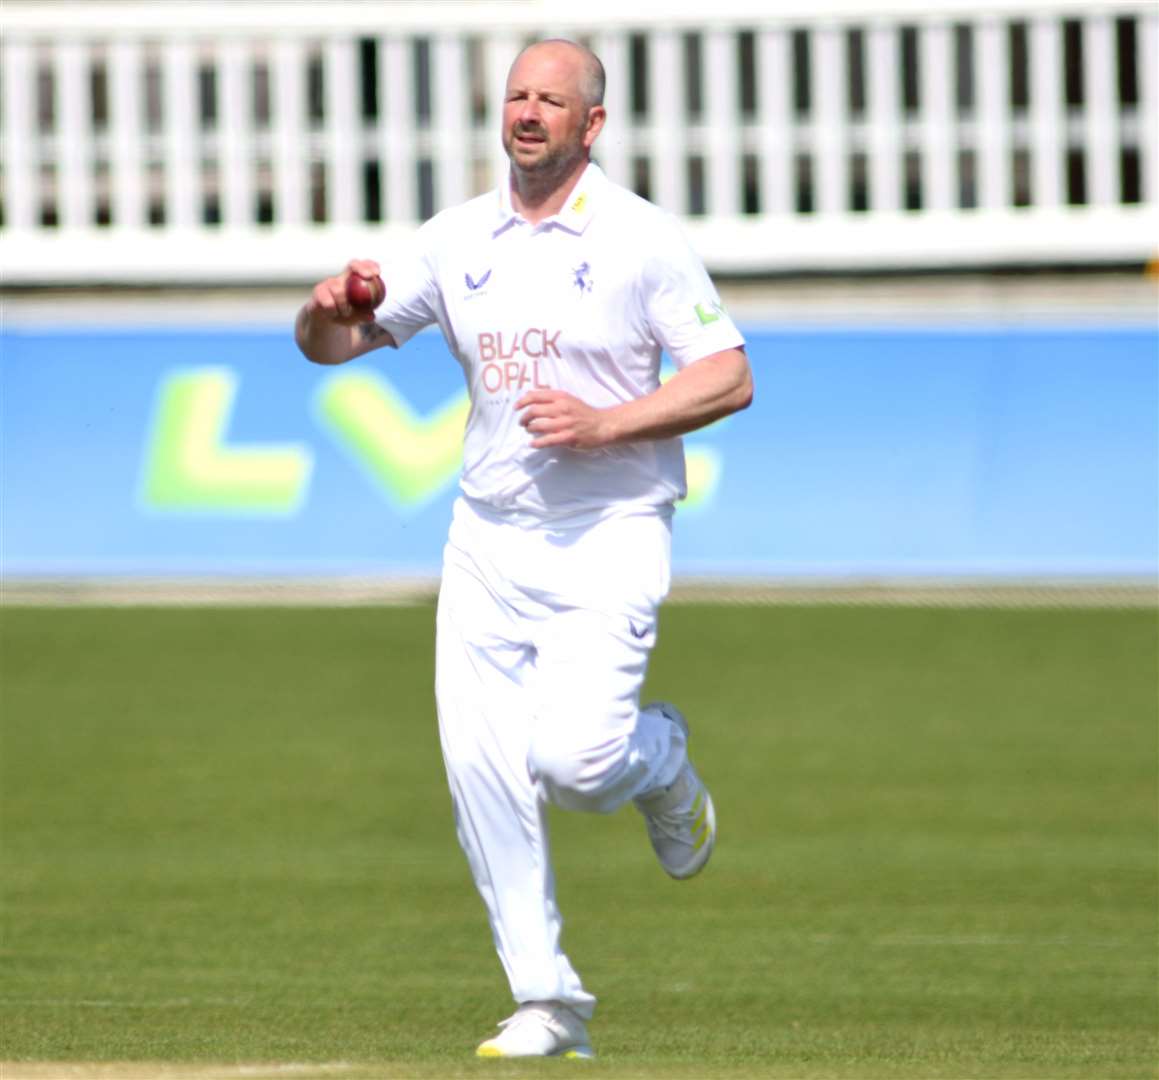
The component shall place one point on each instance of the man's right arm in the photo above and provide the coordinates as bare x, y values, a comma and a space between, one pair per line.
329, 331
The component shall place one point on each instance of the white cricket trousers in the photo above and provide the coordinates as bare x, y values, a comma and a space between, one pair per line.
543, 636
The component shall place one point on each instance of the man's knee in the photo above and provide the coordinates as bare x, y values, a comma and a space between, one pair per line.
575, 774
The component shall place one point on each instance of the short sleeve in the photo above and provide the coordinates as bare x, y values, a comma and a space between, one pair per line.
412, 292
683, 308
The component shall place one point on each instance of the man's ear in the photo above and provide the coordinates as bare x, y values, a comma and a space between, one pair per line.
597, 114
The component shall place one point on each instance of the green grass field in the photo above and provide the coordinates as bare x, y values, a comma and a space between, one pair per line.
227, 840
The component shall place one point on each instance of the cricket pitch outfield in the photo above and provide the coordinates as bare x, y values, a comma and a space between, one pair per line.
228, 852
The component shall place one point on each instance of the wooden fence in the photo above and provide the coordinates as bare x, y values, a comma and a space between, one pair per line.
265, 142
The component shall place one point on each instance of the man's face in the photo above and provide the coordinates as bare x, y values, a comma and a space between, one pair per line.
546, 125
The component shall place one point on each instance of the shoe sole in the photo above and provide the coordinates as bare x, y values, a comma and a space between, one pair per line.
702, 856
575, 1053
705, 853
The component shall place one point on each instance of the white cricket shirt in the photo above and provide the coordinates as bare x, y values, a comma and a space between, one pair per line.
585, 302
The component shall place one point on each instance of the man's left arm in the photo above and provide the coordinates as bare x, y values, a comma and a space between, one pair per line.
703, 391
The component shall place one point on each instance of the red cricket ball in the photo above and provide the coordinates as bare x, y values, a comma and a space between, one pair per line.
365, 293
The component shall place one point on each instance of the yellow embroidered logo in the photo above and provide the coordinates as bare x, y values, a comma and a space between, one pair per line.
580, 202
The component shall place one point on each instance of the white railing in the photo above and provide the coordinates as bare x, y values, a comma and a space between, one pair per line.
265, 142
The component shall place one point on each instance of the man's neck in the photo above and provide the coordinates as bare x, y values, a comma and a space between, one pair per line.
539, 198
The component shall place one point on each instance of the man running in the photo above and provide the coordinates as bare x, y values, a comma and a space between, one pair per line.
557, 294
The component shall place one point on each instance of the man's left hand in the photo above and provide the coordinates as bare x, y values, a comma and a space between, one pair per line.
556, 418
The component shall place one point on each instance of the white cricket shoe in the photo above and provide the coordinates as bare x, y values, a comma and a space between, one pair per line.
680, 819
540, 1029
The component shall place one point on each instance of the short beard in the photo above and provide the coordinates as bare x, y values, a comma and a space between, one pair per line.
553, 165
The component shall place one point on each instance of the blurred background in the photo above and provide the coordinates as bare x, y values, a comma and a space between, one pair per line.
936, 224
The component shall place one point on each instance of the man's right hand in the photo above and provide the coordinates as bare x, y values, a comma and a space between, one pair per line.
329, 330
329, 296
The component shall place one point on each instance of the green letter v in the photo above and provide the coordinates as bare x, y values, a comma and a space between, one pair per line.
410, 458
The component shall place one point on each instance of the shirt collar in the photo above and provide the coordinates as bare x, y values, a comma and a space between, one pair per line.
578, 208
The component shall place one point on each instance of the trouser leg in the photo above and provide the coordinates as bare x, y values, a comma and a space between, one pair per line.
592, 748
482, 664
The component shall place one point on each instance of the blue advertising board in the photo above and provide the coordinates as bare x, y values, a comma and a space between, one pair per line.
912, 451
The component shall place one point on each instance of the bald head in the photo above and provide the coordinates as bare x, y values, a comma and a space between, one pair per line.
590, 72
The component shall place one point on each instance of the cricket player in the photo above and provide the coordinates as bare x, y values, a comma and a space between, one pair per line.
556, 293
